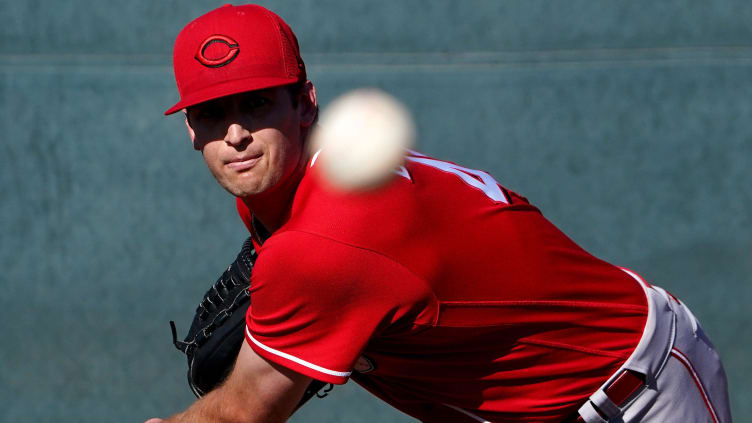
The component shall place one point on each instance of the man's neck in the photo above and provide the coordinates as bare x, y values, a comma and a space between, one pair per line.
272, 208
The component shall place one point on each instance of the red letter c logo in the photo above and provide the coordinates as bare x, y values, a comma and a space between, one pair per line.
217, 51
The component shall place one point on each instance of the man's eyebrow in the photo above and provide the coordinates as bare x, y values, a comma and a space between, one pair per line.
211, 103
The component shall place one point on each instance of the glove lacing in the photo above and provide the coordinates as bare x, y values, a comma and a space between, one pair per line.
236, 274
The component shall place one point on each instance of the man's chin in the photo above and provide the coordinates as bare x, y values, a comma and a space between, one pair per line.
243, 192
240, 190
242, 186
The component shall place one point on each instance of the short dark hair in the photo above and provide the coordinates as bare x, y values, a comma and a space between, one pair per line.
294, 91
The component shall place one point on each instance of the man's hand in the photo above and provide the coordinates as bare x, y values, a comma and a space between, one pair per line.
257, 390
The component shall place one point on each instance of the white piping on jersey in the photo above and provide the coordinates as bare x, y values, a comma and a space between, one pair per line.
315, 156
469, 414
295, 359
635, 276
691, 369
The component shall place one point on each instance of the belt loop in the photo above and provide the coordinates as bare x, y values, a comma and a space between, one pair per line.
590, 414
604, 404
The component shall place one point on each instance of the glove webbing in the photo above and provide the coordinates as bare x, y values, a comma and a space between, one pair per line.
236, 275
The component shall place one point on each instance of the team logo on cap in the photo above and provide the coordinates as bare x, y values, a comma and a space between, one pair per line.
217, 51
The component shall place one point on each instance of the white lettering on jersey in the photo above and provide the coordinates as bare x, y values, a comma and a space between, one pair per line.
475, 178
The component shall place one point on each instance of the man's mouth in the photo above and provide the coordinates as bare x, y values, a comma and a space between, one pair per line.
243, 163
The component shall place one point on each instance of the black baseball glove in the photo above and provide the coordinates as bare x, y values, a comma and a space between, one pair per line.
218, 329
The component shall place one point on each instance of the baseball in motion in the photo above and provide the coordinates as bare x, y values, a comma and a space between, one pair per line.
362, 139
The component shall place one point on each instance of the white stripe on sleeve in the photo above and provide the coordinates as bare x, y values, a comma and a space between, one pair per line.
295, 359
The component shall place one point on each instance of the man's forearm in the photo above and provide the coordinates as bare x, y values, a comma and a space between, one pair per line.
209, 409
217, 407
257, 391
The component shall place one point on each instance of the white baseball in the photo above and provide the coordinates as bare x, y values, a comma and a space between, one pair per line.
362, 139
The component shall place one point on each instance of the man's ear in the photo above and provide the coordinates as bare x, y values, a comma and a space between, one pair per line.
309, 106
191, 132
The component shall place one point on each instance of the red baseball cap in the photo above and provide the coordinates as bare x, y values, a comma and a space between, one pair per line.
234, 49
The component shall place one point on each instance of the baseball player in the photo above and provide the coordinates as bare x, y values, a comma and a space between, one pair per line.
443, 293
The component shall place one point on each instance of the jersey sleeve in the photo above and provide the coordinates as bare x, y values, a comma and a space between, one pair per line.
316, 303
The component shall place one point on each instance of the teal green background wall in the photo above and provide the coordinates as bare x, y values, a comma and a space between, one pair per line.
628, 123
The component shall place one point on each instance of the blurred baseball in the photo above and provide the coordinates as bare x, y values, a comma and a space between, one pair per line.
362, 138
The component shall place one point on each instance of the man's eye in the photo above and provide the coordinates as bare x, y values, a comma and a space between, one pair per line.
257, 102
208, 113
205, 114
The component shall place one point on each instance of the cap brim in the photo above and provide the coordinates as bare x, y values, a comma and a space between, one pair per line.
226, 88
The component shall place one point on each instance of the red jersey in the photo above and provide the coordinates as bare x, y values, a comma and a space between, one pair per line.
443, 293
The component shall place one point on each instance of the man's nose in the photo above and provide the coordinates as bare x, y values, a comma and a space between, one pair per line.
237, 134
